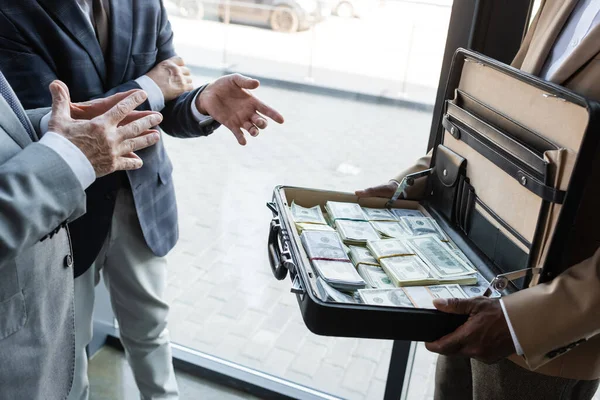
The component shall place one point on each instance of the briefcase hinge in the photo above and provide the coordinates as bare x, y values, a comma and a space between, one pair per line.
500, 282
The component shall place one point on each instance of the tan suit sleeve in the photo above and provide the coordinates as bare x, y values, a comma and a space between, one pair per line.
524, 49
552, 318
417, 191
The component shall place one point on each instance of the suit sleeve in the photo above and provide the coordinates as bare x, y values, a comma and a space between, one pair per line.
178, 120
38, 193
551, 319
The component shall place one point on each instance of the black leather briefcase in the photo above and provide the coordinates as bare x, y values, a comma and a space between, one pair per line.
510, 165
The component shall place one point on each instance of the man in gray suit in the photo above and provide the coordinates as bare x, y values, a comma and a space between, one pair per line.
43, 176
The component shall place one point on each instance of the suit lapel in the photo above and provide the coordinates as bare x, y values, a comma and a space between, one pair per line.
12, 126
121, 33
74, 22
552, 21
587, 49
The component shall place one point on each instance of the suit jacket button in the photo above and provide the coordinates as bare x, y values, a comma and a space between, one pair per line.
68, 261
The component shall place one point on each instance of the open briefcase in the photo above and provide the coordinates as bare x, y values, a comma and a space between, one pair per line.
510, 165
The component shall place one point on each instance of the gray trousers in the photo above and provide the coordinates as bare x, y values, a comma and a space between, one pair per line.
459, 378
136, 280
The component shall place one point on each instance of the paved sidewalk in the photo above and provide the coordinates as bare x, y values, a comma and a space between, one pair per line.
224, 299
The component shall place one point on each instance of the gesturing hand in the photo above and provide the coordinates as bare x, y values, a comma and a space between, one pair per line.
485, 336
172, 77
386, 191
108, 146
230, 103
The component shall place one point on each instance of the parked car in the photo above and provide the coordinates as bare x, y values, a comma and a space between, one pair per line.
280, 15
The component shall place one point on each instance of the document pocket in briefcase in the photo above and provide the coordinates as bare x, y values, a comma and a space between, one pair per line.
511, 160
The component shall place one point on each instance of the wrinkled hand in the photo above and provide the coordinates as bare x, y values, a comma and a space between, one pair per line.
386, 191
485, 336
107, 146
94, 108
172, 77
230, 103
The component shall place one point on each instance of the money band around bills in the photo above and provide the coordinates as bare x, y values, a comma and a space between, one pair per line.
396, 255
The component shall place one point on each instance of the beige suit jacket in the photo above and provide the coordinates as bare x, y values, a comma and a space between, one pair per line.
558, 324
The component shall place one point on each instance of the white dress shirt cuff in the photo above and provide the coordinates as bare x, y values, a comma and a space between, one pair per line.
198, 116
518, 347
81, 166
44, 123
155, 95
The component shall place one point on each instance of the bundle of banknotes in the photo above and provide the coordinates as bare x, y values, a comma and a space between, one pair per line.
330, 261
396, 257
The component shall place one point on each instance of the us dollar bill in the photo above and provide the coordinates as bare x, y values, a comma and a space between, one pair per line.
423, 296
339, 210
304, 215
330, 261
379, 214
375, 277
419, 226
404, 212
439, 258
407, 271
389, 248
389, 229
362, 255
385, 297
356, 232
330, 294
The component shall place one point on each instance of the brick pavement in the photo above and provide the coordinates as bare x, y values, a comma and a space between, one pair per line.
224, 299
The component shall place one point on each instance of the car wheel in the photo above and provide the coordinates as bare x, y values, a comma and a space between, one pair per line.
344, 9
284, 19
192, 9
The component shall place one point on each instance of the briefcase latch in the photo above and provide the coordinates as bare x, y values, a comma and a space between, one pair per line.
406, 182
500, 282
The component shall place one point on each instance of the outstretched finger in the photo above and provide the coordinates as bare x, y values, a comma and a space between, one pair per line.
139, 126
239, 135
244, 82
134, 116
138, 143
269, 112
120, 110
377, 191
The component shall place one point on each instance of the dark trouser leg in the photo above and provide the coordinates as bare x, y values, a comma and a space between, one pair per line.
507, 381
453, 379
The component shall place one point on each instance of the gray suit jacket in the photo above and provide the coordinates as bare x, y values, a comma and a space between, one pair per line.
38, 194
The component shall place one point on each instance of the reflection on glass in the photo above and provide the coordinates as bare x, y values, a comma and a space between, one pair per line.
377, 66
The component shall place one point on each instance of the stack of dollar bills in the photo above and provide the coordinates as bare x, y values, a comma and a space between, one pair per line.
369, 269
400, 263
351, 223
411, 297
405, 212
419, 226
328, 293
330, 261
309, 219
441, 260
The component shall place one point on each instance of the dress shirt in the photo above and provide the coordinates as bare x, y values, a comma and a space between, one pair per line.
155, 95
585, 16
